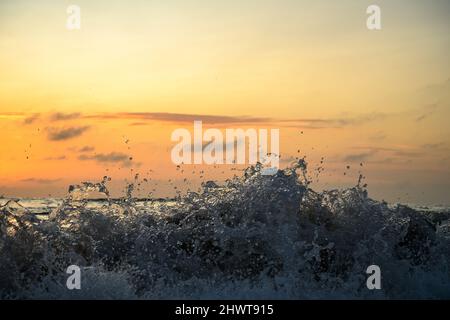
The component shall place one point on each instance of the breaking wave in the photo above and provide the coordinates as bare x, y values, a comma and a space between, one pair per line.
254, 236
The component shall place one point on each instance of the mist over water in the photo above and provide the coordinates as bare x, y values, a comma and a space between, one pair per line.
254, 236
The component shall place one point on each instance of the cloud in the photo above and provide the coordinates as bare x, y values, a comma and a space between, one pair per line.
109, 157
194, 147
138, 124
179, 117
392, 161
143, 118
433, 146
40, 181
428, 111
437, 97
58, 116
438, 89
86, 149
309, 123
361, 119
340, 122
55, 158
393, 151
31, 119
359, 157
407, 153
378, 136
112, 157
58, 134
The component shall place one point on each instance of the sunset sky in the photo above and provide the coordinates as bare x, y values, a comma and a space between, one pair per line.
76, 105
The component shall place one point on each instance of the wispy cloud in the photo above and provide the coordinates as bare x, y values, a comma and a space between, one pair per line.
112, 157
426, 112
434, 146
408, 152
439, 92
340, 122
225, 145
178, 117
109, 157
40, 181
143, 118
359, 157
438, 88
58, 116
312, 123
55, 158
31, 119
59, 134
86, 149
378, 136
135, 124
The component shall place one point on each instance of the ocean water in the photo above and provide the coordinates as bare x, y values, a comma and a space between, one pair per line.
252, 237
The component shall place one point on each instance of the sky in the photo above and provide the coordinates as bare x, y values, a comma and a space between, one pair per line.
76, 105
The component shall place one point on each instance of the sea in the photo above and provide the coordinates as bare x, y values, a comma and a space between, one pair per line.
251, 237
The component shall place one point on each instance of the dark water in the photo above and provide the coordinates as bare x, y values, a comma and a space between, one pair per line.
254, 236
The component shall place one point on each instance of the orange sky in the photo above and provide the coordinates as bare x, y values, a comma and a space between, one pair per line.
69, 100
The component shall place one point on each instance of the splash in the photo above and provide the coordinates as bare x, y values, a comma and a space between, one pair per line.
83, 190
254, 236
